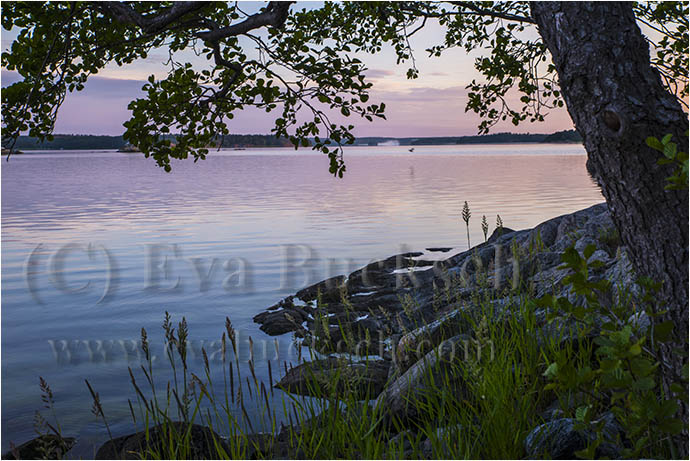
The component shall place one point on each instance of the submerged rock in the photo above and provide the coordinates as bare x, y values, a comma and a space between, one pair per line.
284, 317
43, 447
281, 321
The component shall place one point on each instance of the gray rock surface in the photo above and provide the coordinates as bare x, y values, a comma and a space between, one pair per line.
385, 298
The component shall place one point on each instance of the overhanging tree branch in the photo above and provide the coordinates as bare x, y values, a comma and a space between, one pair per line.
274, 15
150, 23
493, 13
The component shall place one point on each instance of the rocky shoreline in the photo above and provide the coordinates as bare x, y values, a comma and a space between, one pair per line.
383, 303
384, 326
376, 313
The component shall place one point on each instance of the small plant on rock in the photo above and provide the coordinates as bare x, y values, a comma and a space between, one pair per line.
499, 225
466, 217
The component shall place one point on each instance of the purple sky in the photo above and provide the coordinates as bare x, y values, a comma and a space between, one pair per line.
432, 105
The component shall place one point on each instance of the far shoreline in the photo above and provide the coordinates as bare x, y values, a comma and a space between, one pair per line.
263, 141
301, 149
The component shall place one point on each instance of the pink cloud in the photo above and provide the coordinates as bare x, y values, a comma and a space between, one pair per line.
101, 108
378, 73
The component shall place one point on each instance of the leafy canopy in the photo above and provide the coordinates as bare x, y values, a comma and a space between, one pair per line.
301, 64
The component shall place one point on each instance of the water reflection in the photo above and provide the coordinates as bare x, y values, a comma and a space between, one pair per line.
233, 208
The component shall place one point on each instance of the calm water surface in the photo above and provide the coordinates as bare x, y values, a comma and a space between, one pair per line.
97, 245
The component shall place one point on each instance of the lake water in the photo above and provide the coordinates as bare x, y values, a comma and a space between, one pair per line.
97, 245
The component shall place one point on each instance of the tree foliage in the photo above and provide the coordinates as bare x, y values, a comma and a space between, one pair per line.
297, 63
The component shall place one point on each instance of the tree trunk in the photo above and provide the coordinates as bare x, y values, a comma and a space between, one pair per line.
617, 100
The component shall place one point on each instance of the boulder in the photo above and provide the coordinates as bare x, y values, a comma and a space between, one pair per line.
399, 396
499, 233
414, 345
563, 437
134, 446
321, 378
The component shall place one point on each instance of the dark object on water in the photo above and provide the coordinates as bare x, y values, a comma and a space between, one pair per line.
441, 249
43, 447
411, 149
6, 151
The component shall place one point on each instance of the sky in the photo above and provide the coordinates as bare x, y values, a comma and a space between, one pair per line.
432, 105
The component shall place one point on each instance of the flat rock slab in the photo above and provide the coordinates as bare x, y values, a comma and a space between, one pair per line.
360, 380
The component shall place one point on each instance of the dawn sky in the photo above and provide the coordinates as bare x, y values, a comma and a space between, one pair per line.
432, 105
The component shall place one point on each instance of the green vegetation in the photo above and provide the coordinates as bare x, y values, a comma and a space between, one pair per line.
610, 239
679, 159
623, 374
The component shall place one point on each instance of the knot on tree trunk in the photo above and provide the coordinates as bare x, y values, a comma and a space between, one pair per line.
613, 121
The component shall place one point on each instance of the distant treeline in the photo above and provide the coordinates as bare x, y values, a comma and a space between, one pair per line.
498, 138
75, 142
69, 142
78, 141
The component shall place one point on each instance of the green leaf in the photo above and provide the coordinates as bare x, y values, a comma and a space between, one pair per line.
670, 150
663, 331
667, 409
654, 143
671, 426
635, 349
589, 250
551, 371
581, 413
644, 384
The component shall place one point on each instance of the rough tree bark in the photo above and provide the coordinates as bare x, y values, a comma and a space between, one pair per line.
617, 100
